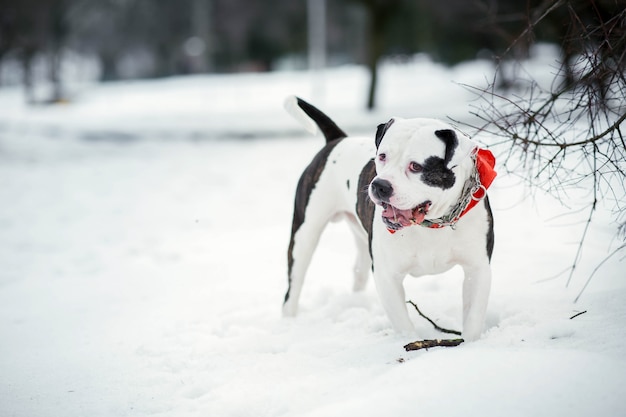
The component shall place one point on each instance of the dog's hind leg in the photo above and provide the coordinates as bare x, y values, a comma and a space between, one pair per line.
363, 263
301, 247
362, 266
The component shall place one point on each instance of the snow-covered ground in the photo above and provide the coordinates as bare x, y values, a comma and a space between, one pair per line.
144, 230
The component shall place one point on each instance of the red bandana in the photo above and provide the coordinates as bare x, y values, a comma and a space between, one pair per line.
485, 163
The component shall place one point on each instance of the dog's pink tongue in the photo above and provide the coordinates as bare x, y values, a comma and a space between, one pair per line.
402, 217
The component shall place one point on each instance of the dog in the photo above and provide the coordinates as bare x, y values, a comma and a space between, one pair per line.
415, 198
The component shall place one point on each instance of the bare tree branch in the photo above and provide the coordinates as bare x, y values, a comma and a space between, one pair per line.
567, 136
435, 325
596, 270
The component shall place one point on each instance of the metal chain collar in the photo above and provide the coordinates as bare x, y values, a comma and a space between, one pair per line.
471, 187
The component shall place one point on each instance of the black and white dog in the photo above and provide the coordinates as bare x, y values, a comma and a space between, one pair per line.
415, 198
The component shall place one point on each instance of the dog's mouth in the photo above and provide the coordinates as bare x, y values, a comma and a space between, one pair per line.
395, 218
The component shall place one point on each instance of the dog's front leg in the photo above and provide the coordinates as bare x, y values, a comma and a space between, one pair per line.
476, 286
391, 293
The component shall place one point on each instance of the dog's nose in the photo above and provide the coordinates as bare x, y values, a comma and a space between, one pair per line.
382, 189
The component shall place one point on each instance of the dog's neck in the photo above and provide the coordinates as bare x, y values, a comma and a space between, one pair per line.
474, 190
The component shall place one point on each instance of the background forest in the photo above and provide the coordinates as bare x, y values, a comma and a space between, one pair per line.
127, 39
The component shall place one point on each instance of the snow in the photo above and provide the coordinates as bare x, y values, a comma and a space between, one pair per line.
144, 229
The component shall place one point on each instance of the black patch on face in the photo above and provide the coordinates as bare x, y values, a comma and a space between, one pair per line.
306, 184
348, 184
381, 130
364, 206
436, 172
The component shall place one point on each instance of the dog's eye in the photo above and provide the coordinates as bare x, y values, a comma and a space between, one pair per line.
415, 167
382, 157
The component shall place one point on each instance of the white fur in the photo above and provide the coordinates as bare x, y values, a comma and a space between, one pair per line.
291, 105
413, 250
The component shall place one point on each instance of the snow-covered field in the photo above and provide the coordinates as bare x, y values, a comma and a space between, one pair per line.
144, 230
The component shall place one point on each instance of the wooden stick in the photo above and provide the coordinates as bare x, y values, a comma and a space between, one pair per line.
427, 344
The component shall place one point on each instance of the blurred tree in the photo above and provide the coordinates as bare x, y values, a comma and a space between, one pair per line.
57, 38
104, 28
8, 30
199, 46
380, 14
255, 34
30, 27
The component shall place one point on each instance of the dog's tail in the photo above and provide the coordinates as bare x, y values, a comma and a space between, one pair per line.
312, 118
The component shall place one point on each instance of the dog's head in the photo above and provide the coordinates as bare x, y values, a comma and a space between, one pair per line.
421, 167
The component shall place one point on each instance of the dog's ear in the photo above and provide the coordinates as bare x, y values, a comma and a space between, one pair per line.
381, 130
458, 146
448, 136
